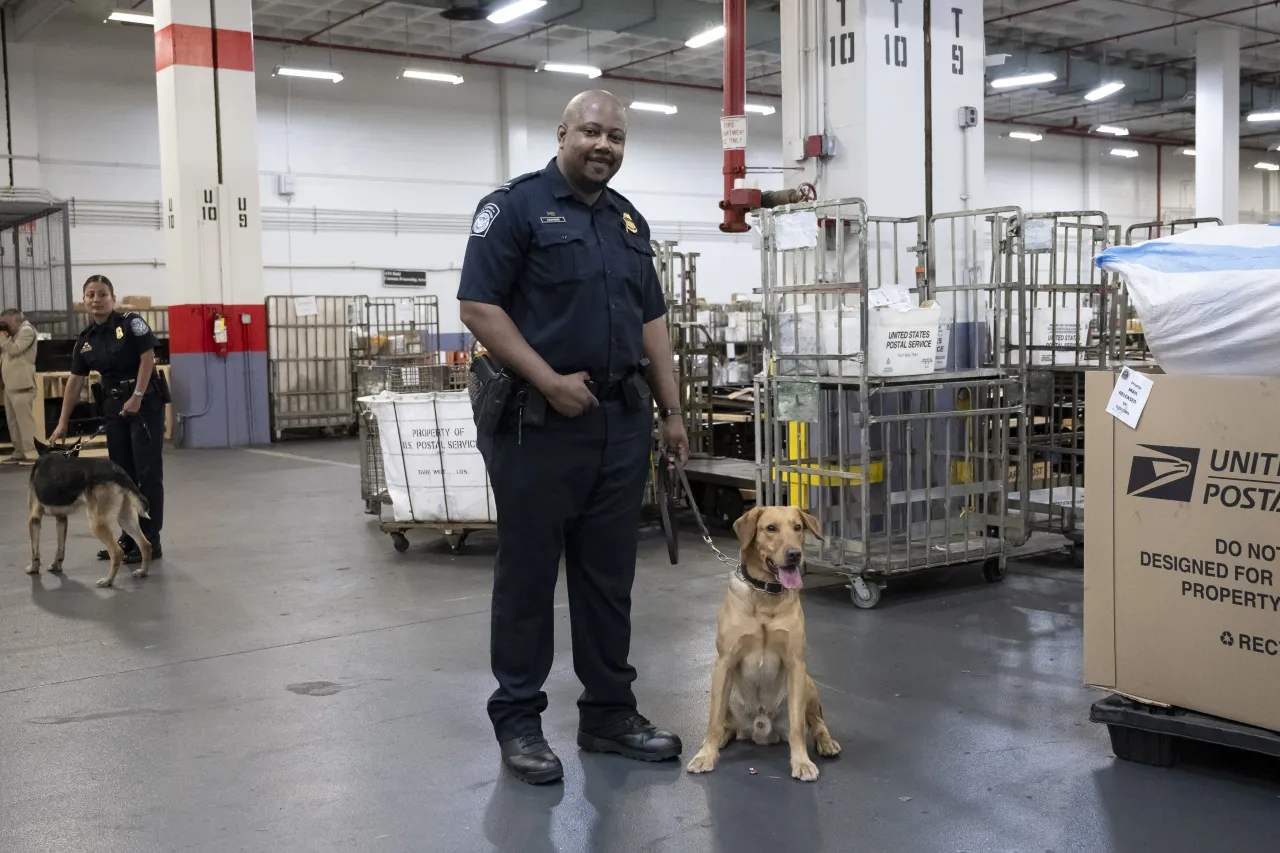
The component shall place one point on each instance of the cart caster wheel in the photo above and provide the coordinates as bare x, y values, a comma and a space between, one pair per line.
400, 541
865, 594
993, 570
456, 542
1077, 554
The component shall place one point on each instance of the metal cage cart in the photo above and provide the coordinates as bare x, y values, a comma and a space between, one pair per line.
907, 472
372, 379
1072, 326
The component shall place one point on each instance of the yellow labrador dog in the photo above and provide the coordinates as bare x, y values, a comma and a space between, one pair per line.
760, 674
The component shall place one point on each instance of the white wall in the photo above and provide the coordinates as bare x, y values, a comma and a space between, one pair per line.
1072, 173
372, 144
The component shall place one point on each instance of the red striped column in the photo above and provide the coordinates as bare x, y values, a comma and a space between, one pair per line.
205, 87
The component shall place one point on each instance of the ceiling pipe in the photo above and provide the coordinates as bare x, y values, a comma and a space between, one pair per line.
735, 103
1013, 15
1157, 29
489, 63
350, 17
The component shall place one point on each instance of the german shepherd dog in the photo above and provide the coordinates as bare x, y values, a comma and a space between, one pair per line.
61, 482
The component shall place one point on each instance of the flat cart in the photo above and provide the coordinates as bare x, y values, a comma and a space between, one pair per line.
904, 473
403, 377
1151, 734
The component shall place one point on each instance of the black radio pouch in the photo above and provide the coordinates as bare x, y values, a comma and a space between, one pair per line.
490, 388
635, 392
533, 406
161, 383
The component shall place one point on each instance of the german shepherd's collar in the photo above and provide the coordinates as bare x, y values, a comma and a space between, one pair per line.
61, 482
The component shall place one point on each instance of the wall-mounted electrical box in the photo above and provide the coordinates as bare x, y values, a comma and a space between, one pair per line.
285, 186
968, 116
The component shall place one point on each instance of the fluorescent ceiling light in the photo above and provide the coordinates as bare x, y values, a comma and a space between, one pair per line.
511, 11
706, 38
132, 18
434, 76
569, 68
669, 109
313, 73
1114, 131
1189, 152
1124, 152
1022, 134
1270, 167
1264, 116
1104, 90
1023, 80
762, 109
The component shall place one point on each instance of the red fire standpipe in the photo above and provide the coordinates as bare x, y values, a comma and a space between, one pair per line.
735, 98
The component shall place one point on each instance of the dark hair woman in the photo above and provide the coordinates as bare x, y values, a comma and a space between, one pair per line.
120, 347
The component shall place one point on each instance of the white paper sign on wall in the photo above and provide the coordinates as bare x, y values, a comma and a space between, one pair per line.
733, 132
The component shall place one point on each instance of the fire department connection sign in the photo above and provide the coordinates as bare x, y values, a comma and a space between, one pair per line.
733, 132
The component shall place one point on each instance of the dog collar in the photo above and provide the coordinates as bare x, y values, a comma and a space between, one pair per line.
767, 587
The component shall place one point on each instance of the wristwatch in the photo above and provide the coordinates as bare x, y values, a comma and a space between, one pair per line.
666, 413
137, 394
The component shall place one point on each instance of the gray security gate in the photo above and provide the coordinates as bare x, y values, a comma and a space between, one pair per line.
316, 343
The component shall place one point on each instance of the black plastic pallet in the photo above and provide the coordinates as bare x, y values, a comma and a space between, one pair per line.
1147, 734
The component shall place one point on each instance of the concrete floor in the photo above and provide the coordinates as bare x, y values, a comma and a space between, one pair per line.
285, 681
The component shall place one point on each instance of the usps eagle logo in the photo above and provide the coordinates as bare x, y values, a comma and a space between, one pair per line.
484, 220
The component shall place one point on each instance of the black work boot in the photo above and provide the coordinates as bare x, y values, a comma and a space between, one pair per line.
135, 556
127, 545
530, 758
632, 737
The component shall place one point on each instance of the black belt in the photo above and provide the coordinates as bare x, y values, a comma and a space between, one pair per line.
605, 392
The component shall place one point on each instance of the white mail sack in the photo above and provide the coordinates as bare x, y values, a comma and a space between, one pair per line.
433, 468
1208, 299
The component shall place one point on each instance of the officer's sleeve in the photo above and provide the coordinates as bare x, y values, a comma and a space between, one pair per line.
78, 365
653, 300
140, 334
495, 251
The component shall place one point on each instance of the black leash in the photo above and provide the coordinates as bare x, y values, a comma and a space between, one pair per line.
767, 587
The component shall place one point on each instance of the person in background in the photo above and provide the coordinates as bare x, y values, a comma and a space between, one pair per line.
18, 372
559, 285
121, 348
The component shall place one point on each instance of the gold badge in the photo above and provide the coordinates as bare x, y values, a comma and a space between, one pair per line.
119, 333
86, 347
631, 226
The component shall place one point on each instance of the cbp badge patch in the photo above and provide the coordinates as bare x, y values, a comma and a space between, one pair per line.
138, 326
631, 226
484, 219
119, 333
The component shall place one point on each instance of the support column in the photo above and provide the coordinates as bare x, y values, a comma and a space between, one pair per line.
853, 70
209, 170
958, 155
1218, 123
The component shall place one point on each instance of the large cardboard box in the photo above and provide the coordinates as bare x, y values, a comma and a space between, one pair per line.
1182, 558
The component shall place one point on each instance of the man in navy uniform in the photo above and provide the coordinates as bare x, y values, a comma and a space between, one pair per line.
558, 284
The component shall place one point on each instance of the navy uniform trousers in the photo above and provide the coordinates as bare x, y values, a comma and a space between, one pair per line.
136, 444
572, 487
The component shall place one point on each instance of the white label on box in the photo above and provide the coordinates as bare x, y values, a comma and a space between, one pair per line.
1037, 235
404, 311
733, 133
729, 350
1129, 397
894, 296
305, 306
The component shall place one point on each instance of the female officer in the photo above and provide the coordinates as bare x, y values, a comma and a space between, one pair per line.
121, 348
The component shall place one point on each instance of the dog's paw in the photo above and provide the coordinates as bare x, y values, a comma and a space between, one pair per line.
56, 568
803, 769
827, 746
138, 573
33, 569
703, 762
105, 582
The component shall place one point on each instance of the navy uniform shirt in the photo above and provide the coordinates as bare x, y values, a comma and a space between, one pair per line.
577, 280
114, 348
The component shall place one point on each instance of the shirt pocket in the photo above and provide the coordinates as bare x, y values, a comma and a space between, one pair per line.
559, 256
642, 254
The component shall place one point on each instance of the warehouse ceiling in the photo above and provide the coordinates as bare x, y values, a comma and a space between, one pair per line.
1149, 44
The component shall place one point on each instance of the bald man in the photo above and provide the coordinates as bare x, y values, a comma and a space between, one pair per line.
559, 286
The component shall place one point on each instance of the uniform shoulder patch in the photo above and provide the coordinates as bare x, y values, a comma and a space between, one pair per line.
139, 326
484, 219
519, 179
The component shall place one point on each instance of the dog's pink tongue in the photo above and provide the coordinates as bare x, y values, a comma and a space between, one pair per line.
790, 577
